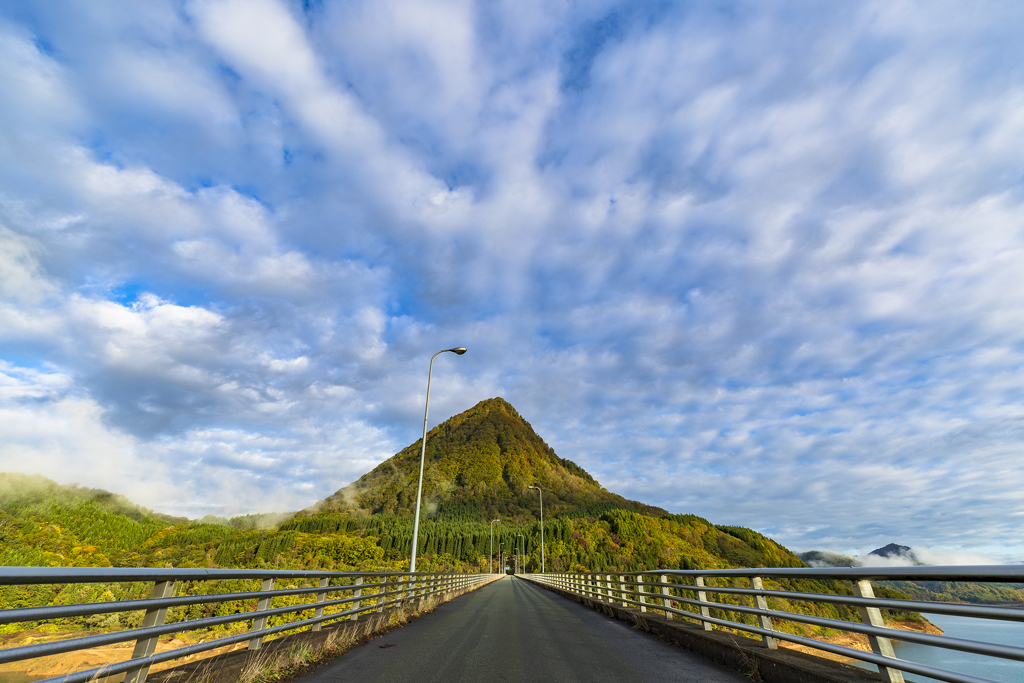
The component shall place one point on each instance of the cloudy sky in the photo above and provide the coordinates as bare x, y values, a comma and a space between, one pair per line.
759, 261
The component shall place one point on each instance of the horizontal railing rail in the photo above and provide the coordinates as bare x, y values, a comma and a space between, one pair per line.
366, 592
666, 591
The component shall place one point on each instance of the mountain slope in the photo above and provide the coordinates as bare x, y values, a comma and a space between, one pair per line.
44, 523
479, 464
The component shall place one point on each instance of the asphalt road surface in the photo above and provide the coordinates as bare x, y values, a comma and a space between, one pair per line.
511, 630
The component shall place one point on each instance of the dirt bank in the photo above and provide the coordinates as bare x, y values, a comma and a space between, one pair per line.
858, 641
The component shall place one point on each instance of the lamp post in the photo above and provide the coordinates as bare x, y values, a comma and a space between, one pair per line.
490, 558
522, 551
459, 350
541, 494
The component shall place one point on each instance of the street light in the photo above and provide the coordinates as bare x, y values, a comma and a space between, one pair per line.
541, 494
522, 551
459, 350
490, 558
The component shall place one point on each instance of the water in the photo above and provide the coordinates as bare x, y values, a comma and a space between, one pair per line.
968, 628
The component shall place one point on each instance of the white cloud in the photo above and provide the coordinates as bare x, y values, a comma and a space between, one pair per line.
763, 267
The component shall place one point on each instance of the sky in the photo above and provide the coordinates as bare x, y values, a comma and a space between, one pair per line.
758, 261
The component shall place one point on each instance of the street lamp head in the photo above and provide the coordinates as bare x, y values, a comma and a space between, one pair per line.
458, 350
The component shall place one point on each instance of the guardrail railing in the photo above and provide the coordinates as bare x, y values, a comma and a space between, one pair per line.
329, 595
684, 593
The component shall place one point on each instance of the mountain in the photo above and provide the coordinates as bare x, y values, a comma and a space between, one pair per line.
894, 551
934, 591
479, 465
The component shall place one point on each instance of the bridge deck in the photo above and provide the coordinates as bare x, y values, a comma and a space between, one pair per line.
511, 631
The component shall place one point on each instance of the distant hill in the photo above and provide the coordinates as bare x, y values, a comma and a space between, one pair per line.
45, 523
895, 553
936, 591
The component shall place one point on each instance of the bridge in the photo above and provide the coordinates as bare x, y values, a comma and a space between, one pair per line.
711, 625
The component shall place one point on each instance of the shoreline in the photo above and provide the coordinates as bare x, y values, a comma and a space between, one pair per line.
859, 641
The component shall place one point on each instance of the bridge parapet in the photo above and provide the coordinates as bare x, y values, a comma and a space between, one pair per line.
327, 595
684, 594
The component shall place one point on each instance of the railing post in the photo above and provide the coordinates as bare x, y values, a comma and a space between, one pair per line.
622, 590
320, 597
703, 597
765, 621
380, 600
357, 593
666, 601
153, 617
640, 581
260, 623
872, 616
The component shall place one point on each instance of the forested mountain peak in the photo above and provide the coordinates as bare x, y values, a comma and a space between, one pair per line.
479, 465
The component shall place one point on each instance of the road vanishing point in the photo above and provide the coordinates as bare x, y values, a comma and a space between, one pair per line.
512, 631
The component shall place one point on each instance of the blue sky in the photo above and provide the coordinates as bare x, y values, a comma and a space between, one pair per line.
758, 261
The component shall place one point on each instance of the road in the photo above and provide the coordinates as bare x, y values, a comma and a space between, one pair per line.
511, 630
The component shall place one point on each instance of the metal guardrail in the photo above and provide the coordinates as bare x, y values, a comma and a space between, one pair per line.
355, 593
667, 591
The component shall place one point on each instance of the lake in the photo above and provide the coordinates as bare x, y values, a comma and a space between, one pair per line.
984, 630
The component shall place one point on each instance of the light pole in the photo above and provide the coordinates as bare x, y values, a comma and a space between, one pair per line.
541, 494
501, 559
458, 350
522, 551
490, 558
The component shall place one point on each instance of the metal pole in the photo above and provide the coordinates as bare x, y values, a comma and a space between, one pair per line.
541, 494
153, 617
423, 456
490, 558
873, 617
522, 552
